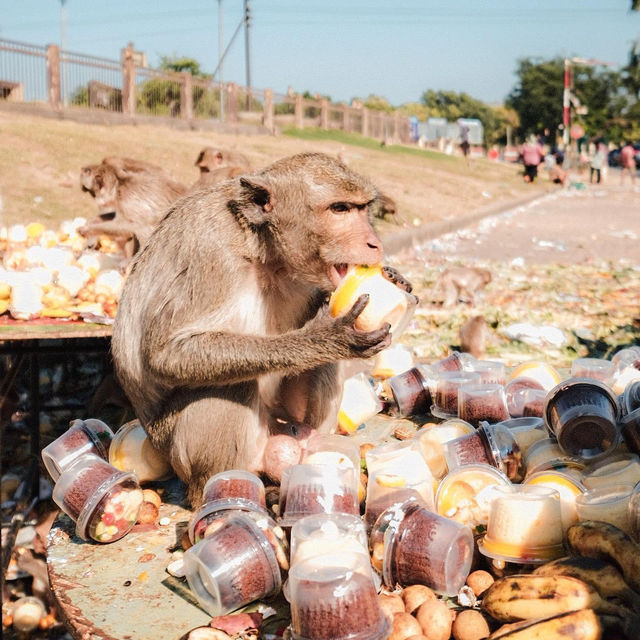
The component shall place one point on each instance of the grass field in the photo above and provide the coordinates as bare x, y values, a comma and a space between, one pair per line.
40, 160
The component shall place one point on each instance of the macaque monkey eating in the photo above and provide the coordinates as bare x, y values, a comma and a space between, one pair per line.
460, 284
132, 196
223, 339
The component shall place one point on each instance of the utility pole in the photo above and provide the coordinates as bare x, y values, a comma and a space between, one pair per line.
220, 54
63, 48
247, 19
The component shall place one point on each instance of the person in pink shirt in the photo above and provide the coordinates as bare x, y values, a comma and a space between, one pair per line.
628, 162
532, 155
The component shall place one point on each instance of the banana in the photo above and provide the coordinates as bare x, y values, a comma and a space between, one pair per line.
575, 625
605, 541
601, 575
527, 597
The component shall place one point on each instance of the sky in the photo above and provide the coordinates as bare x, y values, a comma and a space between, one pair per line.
342, 48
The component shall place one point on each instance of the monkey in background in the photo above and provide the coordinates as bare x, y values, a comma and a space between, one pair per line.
132, 196
223, 338
460, 284
384, 207
217, 165
474, 334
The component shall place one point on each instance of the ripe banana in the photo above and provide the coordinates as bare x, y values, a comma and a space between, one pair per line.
601, 575
528, 597
575, 625
605, 541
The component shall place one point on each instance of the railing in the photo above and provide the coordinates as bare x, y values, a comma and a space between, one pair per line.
64, 80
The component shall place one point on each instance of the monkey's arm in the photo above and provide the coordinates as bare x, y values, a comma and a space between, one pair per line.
115, 228
195, 356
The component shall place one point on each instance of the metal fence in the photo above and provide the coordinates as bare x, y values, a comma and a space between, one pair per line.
64, 79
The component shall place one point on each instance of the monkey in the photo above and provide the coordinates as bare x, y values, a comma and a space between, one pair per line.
209, 178
223, 336
212, 158
460, 284
474, 334
384, 206
131, 195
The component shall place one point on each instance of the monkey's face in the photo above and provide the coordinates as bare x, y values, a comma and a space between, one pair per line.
100, 181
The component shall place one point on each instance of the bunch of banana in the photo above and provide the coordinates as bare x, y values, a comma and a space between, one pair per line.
604, 541
575, 625
601, 575
529, 597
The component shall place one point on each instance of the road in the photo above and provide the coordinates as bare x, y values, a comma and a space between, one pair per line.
570, 226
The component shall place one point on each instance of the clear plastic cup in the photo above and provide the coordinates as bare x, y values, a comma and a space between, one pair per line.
319, 488
630, 430
492, 444
624, 377
569, 487
519, 393
396, 472
131, 450
478, 402
464, 494
429, 442
328, 448
533, 403
543, 375
410, 391
526, 431
101, 500
327, 533
582, 413
235, 483
392, 361
615, 469
630, 398
596, 368
359, 403
607, 504
412, 545
233, 566
457, 361
490, 371
546, 454
445, 399
525, 525
82, 437
387, 302
335, 597
627, 356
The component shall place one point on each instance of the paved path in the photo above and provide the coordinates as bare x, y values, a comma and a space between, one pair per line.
599, 222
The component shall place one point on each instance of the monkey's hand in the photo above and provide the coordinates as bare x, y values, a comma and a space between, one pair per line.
342, 339
394, 276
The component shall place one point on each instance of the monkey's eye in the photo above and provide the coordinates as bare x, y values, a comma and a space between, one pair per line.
340, 207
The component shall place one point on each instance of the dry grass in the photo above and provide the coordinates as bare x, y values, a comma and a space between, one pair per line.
40, 159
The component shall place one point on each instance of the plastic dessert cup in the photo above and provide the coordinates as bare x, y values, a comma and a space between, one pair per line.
82, 437
327, 448
624, 377
457, 361
392, 361
490, 371
626, 357
596, 368
430, 441
634, 513
630, 430
477, 402
410, 391
542, 375
235, 483
525, 525
334, 597
359, 403
327, 533
131, 450
582, 413
101, 500
607, 504
630, 398
397, 471
615, 469
526, 430
412, 545
445, 400
319, 488
233, 566
387, 303
464, 494
567, 485
492, 444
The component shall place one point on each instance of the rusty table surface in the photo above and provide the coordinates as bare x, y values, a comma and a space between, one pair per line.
49, 329
122, 590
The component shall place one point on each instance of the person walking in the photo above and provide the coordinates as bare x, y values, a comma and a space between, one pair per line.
532, 155
597, 163
628, 163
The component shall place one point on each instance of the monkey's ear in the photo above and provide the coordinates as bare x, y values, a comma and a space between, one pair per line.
257, 199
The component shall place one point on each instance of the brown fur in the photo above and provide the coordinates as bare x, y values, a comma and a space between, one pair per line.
384, 206
460, 284
473, 336
223, 326
132, 196
209, 178
212, 158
